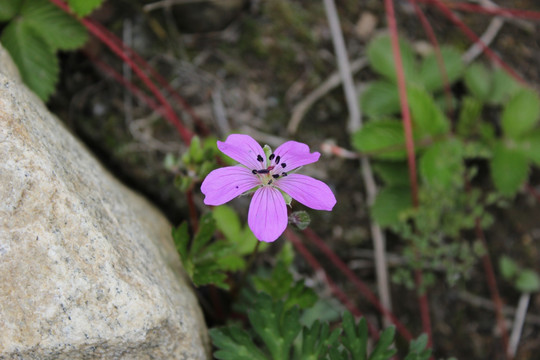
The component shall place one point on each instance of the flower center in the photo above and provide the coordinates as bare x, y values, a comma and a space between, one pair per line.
272, 172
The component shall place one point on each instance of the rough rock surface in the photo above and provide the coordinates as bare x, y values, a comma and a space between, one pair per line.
88, 269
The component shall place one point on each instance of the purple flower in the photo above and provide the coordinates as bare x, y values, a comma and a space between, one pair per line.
270, 177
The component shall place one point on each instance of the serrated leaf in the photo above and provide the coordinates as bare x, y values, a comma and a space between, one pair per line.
181, 240
509, 169
478, 81
418, 350
36, 61
392, 173
503, 87
442, 164
427, 118
383, 139
60, 30
389, 204
381, 59
207, 227
529, 145
508, 267
8, 9
204, 275
84, 7
430, 73
521, 113
528, 281
379, 99
355, 337
469, 116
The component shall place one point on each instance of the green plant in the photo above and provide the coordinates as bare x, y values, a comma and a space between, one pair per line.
35, 31
446, 153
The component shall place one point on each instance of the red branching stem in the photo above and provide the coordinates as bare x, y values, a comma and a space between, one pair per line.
498, 11
494, 290
360, 285
295, 240
409, 144
94, 29
110, 71
474, 38
157, 76
436, 48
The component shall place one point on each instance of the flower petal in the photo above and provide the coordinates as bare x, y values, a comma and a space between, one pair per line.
267, 216
308, 191
224, 184
295, 154
244, 149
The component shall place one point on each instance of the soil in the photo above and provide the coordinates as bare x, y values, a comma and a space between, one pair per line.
266, 59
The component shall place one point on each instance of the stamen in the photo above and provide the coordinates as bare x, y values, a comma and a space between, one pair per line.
269, 182
283, 174
272, 156
254, 172
275, 176
259, 158
263, 171
283, 165
277, 159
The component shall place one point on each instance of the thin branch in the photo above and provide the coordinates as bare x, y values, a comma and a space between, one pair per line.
518, 324
355, 123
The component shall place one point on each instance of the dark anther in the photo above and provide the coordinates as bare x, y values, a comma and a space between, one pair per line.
263, 171
272, 156
275, 176
269, 182
259, 158
283, 174
254, 172
277, 159
283, 165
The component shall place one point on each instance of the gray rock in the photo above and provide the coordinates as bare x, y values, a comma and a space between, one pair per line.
88, 269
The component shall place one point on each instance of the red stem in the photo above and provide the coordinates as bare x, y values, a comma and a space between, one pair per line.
440, 61
360, 285
185, 133
474, 38
409, 143
499, 11
494, 290
291, 236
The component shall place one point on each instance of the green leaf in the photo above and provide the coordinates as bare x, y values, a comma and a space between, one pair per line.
529, 146
381, 59
508, 267
207, 227
418, 350
442, 164
478, 81
84, 7
316, 341
380, 98
58, 29
235, 344
227, 222
469, 116
389, 204
382, 350
181, 240
382, 139
503, 87
430, 73
36, 61
355, 337
521, 113
528, 281
426, 115
509, 169
392, 173
8, 9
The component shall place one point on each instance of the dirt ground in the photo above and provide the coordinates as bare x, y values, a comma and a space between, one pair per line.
258, 68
